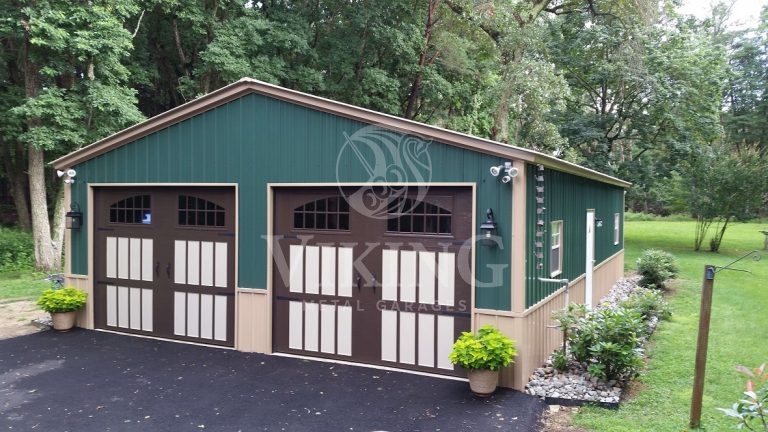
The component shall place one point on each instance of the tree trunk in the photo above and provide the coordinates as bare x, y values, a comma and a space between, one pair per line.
414, 96
15, 170
714, 243
500, 129
41, 228
179, 47
702, 226
57, 227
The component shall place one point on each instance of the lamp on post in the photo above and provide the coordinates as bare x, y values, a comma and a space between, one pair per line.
74, 217
488, 228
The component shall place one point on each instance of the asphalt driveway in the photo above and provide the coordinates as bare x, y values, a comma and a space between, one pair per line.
95, 381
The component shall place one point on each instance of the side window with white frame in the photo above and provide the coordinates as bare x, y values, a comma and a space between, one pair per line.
556, 248
616, 225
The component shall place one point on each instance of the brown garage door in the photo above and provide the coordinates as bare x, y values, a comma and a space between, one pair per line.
391, 291
164, 262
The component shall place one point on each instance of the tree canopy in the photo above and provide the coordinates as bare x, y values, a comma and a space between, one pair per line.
626, 87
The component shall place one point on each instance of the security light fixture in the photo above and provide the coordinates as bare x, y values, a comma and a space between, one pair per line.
510, 172
69, 174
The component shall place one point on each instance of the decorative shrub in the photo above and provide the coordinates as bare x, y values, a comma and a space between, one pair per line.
567, 319
489, 349
656, 267
560, 360
62, 300
649, 304
16, 250
606, 340
752, 411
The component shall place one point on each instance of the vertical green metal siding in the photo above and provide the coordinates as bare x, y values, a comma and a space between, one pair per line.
567, 198
256, 140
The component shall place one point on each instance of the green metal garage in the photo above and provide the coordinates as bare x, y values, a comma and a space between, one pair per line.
273, 221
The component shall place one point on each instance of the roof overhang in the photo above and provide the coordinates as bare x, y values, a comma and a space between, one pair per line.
246, 86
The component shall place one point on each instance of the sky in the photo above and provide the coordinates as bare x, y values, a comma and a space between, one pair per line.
745, 13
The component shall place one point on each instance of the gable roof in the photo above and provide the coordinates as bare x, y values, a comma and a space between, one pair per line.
246, 86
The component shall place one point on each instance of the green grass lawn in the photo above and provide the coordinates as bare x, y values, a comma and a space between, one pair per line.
22, 285
737, 334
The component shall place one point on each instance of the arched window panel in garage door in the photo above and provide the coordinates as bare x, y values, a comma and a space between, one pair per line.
410, 216
331, 214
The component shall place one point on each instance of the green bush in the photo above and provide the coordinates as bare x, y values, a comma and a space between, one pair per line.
606, 340
560, 360
752, 410
62, 300
16, 250
655, 267
489, 349
649, 304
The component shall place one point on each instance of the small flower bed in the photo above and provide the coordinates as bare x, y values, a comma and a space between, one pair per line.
604, 349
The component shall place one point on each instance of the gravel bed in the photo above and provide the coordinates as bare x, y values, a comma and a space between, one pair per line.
576, 384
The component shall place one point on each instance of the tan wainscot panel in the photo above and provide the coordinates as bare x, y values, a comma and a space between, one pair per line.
253, 321
607, 274
534, 330
83, 282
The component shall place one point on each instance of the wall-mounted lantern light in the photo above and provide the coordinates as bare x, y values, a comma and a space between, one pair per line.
599, 223
74, 217
488, 228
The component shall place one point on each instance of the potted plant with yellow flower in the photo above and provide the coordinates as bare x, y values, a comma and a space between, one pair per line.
63, 305
482, 355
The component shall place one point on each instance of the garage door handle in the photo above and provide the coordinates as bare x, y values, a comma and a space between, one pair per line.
168, 270
357, 280
157, 269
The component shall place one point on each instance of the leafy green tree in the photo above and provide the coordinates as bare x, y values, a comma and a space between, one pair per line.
67, 89
745, 115
719, 184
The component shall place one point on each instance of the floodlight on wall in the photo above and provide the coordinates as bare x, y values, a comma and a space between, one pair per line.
495, 170
69, 174
510, 172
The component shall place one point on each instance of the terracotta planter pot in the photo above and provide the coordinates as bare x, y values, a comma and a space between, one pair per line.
483, 382
63, 321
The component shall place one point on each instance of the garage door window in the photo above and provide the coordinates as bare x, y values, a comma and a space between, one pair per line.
195, 211
407, 216
132, 210
326, 214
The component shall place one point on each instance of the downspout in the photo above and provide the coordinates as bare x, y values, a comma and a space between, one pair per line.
565, 282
